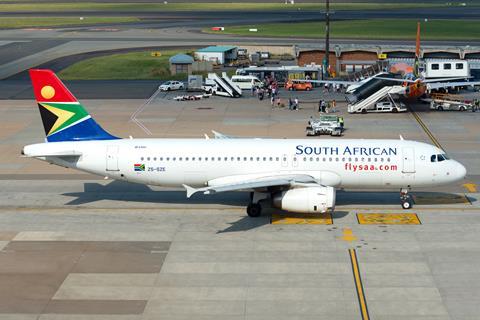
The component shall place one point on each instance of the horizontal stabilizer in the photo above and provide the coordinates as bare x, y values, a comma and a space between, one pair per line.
71, 153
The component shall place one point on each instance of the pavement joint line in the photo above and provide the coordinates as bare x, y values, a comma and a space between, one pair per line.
425, 129
359, 285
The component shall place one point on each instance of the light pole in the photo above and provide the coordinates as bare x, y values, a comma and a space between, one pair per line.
326, 61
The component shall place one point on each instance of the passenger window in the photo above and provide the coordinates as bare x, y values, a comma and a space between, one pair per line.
155, 159
168, 159
180, 159
459, 66
435, 66
141, 158
447, 66
304, 158
219, 159
148, 159
264, 159
433, 158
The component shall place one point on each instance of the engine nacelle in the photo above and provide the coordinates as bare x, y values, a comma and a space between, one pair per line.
306, 200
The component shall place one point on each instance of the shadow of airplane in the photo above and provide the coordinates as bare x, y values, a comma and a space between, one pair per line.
132, 192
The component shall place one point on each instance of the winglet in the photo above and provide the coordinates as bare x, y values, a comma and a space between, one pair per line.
190, 191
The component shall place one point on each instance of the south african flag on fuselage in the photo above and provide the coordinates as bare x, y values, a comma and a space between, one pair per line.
139, 167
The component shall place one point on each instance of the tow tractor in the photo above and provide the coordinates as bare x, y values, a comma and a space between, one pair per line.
331, 125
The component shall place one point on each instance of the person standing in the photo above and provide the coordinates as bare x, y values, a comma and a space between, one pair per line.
290, 104
320, 106
253, 87
334, 104
296, 106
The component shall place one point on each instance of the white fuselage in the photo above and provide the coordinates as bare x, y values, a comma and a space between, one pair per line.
198, 162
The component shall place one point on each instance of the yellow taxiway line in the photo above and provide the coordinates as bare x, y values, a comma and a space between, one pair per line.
359, 285
299, 218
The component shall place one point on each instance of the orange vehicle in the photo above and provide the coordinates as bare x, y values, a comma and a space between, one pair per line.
305, 86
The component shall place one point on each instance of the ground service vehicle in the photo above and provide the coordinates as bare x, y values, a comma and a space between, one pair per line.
246, 82
443, 105
304, 86
172, 85
386, 106
324, 125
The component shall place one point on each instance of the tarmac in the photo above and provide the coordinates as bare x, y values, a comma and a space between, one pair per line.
75, 246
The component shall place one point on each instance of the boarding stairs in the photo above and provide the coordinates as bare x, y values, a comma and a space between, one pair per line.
225, 86
385, 92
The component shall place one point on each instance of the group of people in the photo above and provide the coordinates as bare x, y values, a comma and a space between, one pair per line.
327, 106
332, 87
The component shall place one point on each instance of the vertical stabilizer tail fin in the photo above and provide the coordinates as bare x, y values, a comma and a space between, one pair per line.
63, 117
417, 51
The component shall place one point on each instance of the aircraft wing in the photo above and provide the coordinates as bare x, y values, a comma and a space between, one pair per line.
439, 85
346, 83
263, 182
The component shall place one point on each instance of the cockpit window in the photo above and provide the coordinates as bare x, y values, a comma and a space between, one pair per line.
439, 157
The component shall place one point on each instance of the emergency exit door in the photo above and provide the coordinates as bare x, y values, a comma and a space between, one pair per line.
112, 158
408, 160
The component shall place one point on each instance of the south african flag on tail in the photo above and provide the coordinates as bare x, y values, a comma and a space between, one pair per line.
63, 117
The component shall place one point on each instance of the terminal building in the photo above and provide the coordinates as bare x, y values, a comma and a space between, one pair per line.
355, 58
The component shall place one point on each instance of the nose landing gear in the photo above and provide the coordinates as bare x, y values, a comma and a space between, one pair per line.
405, 199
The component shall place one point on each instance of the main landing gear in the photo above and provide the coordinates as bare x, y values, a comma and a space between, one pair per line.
254, 209
405, 199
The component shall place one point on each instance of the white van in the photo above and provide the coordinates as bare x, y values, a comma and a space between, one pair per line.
245, 82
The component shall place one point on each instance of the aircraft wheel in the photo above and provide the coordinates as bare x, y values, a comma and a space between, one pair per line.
395, 110
364, 111
462, 108
407, 204
440, 108
254, 210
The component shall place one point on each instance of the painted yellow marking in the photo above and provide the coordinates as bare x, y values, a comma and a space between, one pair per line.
471, 187
63, 115
348, 235
425, 128
388, 218
302, 218
358, 285
47, 92
440, 198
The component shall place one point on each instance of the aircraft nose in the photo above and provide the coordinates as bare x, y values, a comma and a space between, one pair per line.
458, 171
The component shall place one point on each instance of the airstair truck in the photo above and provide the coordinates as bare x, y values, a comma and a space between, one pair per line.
221, 86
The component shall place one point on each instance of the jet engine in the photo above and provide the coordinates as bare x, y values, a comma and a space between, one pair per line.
316, 199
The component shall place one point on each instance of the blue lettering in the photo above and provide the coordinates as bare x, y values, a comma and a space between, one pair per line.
299, 150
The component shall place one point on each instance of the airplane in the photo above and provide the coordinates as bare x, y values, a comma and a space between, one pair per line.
415, 81
297, 175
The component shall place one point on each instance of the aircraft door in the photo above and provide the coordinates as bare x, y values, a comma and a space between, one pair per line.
408, 160
112, 158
